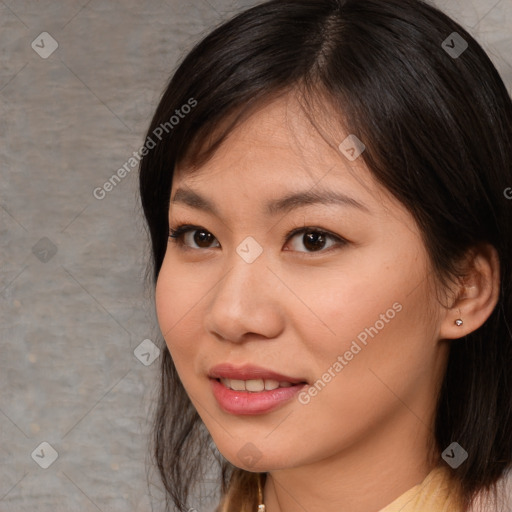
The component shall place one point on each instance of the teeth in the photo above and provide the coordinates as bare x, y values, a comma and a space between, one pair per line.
237, 385
271, 384
254, 385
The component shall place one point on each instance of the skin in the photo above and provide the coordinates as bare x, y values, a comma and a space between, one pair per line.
363, 440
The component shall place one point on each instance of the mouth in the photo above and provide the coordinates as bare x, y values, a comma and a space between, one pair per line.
250, 390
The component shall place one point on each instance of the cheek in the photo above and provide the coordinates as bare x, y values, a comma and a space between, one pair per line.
373, 317
174, 303
383, 347
177, 313
365, 373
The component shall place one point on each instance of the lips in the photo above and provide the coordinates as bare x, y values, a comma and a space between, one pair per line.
248, 390
250, 372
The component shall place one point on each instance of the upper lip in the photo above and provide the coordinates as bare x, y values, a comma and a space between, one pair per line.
249, 372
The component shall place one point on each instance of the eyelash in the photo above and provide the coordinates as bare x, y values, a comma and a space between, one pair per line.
176, 237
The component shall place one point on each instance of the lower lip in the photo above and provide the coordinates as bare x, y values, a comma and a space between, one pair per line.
245, 402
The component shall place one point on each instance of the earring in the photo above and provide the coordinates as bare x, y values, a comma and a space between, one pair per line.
458, 322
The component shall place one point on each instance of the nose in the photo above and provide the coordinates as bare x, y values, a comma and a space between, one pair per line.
246, 302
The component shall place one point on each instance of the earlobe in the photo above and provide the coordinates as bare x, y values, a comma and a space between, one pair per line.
476, 296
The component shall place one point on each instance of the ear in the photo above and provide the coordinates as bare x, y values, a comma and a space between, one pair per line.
476, 295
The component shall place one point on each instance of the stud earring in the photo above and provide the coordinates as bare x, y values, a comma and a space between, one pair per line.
458, 322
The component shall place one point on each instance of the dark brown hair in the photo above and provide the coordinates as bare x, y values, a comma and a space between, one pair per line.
437, 129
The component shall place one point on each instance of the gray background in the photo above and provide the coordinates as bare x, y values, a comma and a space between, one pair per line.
73, 303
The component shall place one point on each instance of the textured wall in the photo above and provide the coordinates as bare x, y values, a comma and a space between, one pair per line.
73, 306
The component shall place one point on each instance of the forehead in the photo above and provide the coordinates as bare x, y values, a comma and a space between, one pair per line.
277, 149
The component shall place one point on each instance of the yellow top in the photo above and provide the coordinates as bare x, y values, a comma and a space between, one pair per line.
434, 494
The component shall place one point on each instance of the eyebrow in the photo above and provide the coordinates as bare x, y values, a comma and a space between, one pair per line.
284, 204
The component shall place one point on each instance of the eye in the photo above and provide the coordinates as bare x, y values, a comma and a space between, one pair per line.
314, 239
178, 236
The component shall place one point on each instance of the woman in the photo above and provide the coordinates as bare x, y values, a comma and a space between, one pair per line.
325, 183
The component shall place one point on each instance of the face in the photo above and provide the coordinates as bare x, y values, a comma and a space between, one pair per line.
335, 297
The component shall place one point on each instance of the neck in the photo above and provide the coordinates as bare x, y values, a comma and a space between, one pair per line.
366, 477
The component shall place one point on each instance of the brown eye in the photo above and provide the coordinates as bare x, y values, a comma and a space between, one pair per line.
202, 238
315, 240
184, 235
